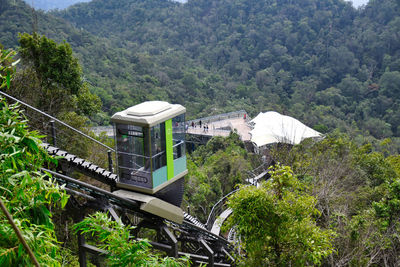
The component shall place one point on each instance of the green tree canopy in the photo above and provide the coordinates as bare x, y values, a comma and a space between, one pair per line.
55, 77
214, 171
276, 222
356, 188
54, 64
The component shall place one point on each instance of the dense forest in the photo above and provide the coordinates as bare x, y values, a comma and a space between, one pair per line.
323, 62
336, 68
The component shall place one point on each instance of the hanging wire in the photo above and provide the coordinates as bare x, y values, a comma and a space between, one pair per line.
65, 135
57, 120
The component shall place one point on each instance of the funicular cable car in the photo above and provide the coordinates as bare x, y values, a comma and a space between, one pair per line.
150, 148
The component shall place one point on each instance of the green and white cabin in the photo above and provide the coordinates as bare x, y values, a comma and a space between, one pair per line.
150, 148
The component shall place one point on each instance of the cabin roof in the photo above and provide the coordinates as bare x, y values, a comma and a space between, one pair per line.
149, 113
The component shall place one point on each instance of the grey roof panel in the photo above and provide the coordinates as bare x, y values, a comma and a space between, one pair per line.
148, 113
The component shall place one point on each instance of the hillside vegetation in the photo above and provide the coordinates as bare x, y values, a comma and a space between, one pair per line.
331, 203
324, 62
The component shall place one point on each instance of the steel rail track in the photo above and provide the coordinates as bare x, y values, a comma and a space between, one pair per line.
191, 231
215, 250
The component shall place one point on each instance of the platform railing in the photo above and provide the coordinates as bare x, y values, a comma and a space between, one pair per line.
220, 117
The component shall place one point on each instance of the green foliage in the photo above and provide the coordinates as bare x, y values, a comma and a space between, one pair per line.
69, 139
122, 249
51, 81
388, 208
324, 63
7, 66
214, 171
276, 223
222, 60
54, 64
26, 193
356, 191
390, 82
55, 77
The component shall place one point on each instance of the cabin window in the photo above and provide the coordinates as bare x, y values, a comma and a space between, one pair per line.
158, 146
133, 153
178, 136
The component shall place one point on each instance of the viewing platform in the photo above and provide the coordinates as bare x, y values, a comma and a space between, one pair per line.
221, 125
217, 125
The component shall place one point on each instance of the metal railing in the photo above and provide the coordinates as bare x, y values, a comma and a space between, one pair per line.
220, 117
217, 210
66, 137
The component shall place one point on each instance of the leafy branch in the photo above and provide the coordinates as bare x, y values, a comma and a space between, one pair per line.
123, 250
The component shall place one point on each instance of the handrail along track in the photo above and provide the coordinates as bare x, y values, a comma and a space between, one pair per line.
195, 240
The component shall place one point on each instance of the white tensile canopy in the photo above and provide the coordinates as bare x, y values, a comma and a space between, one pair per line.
272, 127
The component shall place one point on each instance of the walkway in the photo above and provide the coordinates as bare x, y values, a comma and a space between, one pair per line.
222, 125
218, 125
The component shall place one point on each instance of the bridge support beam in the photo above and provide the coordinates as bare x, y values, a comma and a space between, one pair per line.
81, 250
114, 215
229, 256
172, 241
209, 252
